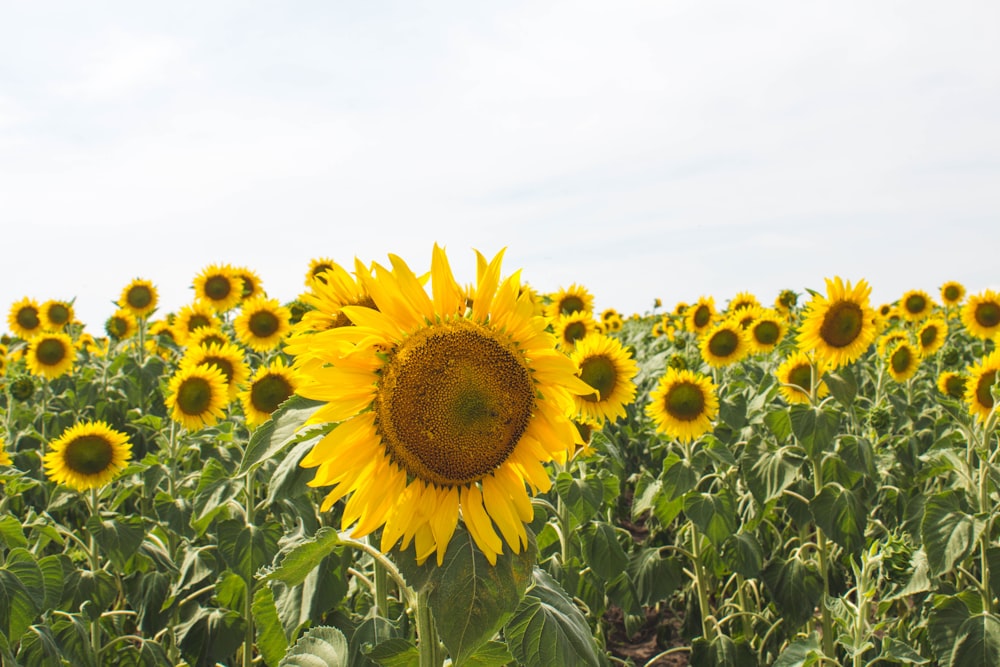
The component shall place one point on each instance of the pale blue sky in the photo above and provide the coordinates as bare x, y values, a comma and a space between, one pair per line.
642, 149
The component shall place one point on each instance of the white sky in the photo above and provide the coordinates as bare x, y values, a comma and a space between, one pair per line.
643, 149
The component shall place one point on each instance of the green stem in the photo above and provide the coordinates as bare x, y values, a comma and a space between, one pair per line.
984, 537
822, 548
747, 626
426, 636
248, 637
700, 583
95, 565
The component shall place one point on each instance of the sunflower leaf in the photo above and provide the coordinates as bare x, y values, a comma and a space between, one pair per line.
277, 432
301, 559
322, 646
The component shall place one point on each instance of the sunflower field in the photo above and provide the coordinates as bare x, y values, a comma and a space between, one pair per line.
401, 467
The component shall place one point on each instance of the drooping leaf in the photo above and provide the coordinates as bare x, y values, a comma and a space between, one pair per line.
604, 553
278, 432
721, 651
843, 385
743, 554
394, 652
118, 538
977, 642
321, 646
947, 615
795, 586
814, 428
678, 476
656, 578
948, 530
271, 640
802, 652
299, 561
842, 514
713, 513
769, 473
583, 497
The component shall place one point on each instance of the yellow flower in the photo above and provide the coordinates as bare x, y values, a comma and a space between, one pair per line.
443, 410
932, 335
191, 317
952, 384
196, 396
227, 357
572, 328
25, 318
56, 314
317, 267
839, 327
121, 325
218, 286
50, 354
5, 459
139, 297
262, 323
797, 374
205, 336
915, 305
742, 300
269, 387
981, 314
766, 331
902, 361
724, 344
87, 455
952, 293
699, 316
251, 283
683, 405
982, 376
573, 299
607, 367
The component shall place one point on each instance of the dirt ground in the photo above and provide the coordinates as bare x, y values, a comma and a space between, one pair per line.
660, 632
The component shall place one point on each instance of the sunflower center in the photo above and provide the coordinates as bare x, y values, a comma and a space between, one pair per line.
197, 321
723, 343
915, 304
27, 318
571, 304
842, 324
988, 314
928, 336
453, 402
955, 386
194, 396
766, 332
801, 377
58, 314
139, 297
685, 402
599, 373
218, 288
901, 359
263, 324
116, 327
50, 351
952, 293
983, 395
223, 364
88, 455
269, 392
574, 331
702, 316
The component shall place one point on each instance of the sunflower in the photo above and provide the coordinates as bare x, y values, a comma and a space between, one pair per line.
683, 405
205, 336
609, 313
269, 387
742, 300
219, 287
699, 316
889, 339
251, 283
227, 357
902, 361
839, 327
121, 325
87, 456
262, 323
196, 396
797, 374
50, 354
97, 347
613, 323
443, 409
982, 377
25, 318
952, 293
573, 299
915, 305
317, 267
724, 344
161, 340
5, 459
952, 384
932, 335
786, 301
139, 297
607, 367
981, 314
191, 317
56, 314
681, 308
766, 331
572, 328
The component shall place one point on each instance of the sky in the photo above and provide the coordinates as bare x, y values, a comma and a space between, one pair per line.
667, 149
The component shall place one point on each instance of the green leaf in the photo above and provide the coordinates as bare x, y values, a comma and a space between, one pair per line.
743, 554
769, 473
802, 652
322, 646
721, 651
780, 424
678, 476
271, 640
547, 628
11, 533
978, 642
713, 513
210, 635
796, 588
118, 538
17, 605
604, 554
842, 514
289, 479
278, 432
656, 578
247, 548
490, 654
894, 650
583, 497
948, 531
300, 560
944, 622
814, 428
842, 385
216, 487
395, 652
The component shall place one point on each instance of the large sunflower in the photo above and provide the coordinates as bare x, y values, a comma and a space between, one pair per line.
218, 286
139, 297
981, 314
269, 387
50, 354
952, 293
262, 323
573, 299
87, 455
839, 327
56, 314
444, 409
932, 335
982, 377
607, 367
196, 396
227, 357
902, 361
684, 404
724, 344
25, 318
915, 305
796, 376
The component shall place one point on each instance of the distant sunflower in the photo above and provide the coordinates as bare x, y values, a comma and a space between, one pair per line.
839, 327
161, 340
699, 316
609, 313
786, 301
888, 340
139, 297
97, 347
742, 300
193, 316
87, 456
25, 318
611, 324
269, 387
262, 323
227, 357
982, 377
681, 308
252, 285
746, 316
56, 314
683, 405
5, 459
902, 361
317, 267
121, 325
724, 344
797, 374
981, 314
569, 329
766, 331
607, 367
444, 410
952, 384
952, 293
573, 299
218, 286
932, 335
206, 336
915, 305
197, 396
50, 354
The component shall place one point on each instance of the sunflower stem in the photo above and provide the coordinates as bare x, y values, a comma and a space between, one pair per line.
426, 636
248, 601
381, 584
822, 548
700, 583
95, 565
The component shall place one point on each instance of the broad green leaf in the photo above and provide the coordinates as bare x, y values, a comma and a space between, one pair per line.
322, 646
780, 424
490, 654
893, 650
548, 629
210, 635
978, 642
743, 554
583, 497
21, 563
796, 588
733, 411
11, 532
216, 488
271, 640
656, 578
842, 385
289, 479
842, 514
374, 630
247, 548
721, 651
769, 473
54, 577
17, 605
97, 589
814, 428
300, 560
947, 615
603, 551
948, 531
118, 538
395, 652
713, 513
278, 432
678, 476
802, 652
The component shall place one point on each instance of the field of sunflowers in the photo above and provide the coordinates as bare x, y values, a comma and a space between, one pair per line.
408, 467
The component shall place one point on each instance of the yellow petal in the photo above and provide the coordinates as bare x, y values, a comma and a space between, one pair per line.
479, 524
498, 506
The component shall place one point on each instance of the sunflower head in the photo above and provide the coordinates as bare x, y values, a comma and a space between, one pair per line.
50, 354
570, 329
978, 389
932, 335
699, 316
121, 325
192, 317
573, 299
197, 395
742, 300
219, 287
56, 314
797, 375
607, 367
207, 336
87, 455
952, 384
902, 361
252, 285
981, 314
262, 324
228, 358
786, 301
269, 387
25, 318
952, 293
683, 405
22, 389
915, 305
724, 344
839, 327
766, 331
139, 298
